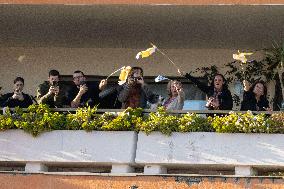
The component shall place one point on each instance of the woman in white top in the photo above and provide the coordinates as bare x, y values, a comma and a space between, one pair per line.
175, 100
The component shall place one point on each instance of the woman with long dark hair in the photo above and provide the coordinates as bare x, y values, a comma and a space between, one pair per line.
255, 97
218, 94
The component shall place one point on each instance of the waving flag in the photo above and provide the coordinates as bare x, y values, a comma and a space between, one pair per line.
160, 78
124, 74
146, 53
241, 56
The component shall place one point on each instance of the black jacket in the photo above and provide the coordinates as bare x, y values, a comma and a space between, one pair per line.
90, 98
109, 97
250, 103
10, 102
146, 96
225, 98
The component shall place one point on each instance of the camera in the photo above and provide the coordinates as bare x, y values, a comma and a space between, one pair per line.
54, 83
82, 83
137, 78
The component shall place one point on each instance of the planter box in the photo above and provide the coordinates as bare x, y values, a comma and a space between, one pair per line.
242, 151
104, 148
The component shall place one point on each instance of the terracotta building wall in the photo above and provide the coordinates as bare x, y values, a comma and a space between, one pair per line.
176, 2
27, 181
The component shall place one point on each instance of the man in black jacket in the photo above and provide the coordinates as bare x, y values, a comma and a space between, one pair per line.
17, 98
82, 93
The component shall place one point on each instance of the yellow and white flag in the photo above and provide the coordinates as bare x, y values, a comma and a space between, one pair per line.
146, 53
241, 56
124, 74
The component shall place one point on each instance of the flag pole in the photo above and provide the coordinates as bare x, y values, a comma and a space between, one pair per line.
166, 56
114, 72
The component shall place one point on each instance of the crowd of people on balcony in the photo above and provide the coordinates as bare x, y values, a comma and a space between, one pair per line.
133, 93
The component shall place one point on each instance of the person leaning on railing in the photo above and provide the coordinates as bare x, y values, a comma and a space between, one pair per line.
219, 96
17, 98
254, 97
51, 92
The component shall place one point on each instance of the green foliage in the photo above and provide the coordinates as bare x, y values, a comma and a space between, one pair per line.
160, 121
84, 118
276, 123
243, 123
125, 121
191, 122
39, 118
225, 124
6, 121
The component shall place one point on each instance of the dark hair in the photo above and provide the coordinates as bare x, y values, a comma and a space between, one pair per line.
79, 71
53, 73
264, 87
224, 86
19, 79
134, 69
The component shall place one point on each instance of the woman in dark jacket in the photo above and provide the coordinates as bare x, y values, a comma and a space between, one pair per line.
255, 97
219, 96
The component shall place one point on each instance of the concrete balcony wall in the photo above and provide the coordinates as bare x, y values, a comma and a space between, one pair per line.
81, 147
243, 153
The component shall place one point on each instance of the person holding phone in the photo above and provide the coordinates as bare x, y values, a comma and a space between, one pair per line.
17, 98
82, 93
51, 92
135, 92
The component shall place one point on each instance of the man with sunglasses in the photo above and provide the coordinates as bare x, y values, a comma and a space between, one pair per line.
17, 98
82, 93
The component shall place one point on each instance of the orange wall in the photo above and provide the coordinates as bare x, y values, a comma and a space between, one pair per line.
28, 181
176, 2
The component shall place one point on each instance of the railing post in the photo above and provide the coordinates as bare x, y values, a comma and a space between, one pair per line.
122, 168
35, 167
245, 171
155, 169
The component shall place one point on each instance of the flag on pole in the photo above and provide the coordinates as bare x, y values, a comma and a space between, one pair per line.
241, 56
146, 53
124, 74
160, 78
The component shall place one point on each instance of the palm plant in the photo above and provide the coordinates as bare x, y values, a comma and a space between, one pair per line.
275, 60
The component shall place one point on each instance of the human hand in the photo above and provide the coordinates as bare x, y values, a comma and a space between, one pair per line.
268, 109
179, 89
102, 84
83, 89
18, 95
140, 80
215, 103
56, 91
51, 90
180, 72
246, 85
